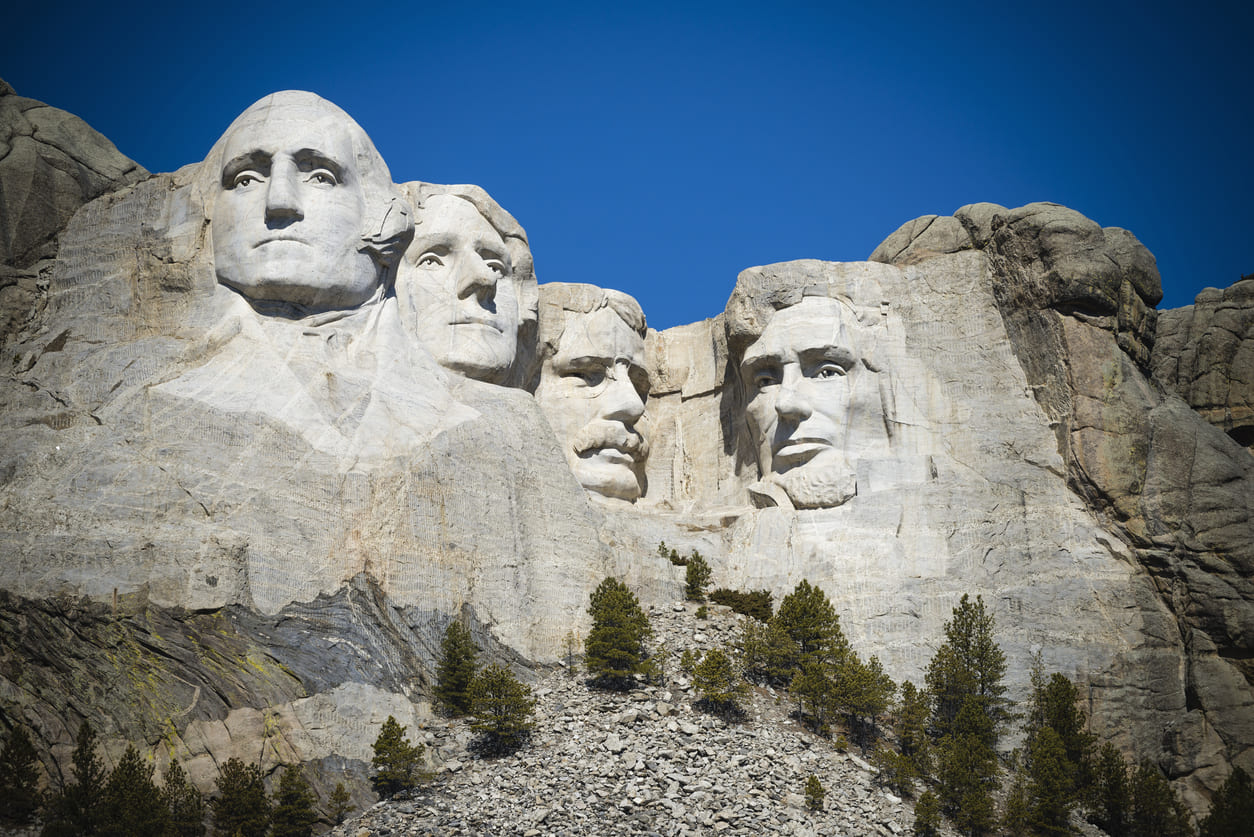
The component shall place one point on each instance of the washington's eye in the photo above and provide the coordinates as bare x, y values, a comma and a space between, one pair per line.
245, 179
429, 260
323, 178
828, 370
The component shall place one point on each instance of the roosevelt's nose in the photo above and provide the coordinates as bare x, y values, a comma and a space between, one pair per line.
476, 277
792, 402
283, 194
620, 399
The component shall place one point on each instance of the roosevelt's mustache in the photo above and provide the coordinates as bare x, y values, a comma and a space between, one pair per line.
610, 434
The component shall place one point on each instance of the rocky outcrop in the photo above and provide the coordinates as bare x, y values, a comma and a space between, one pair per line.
1205, 353
51, 163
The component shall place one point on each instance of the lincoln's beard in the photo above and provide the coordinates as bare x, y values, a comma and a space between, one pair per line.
828, 480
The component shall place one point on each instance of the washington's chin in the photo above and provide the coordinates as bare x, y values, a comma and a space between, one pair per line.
608, 472
301, 278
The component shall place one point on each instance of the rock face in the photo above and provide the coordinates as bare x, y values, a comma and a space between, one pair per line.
275, 487
1205, 352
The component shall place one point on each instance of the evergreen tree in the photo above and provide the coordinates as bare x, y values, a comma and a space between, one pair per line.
131, 804
1051, 783
719, 685
968, 770
814, 793
968, 665
813, 690
340, 805
456, 669
927, 815
293, 805
76, 810
20, 796
911, 728
863, 692
810, 621
1059, 753
767, 652
1015, 815
615, 647
185, 803
241, 808
696, 577
396, 761
1111, 796
502, 709
1232, 809
1156, 810
1056, 704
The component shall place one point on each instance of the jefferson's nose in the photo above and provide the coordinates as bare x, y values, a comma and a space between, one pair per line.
476, 277
283, 194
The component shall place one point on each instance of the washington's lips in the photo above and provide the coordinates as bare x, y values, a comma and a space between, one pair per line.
270, 239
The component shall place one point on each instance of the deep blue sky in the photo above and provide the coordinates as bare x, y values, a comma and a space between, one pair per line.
662, 150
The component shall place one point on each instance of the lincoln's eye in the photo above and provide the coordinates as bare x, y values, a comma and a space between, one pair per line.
764, 378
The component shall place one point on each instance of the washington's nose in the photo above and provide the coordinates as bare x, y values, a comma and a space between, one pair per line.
476, 277
622, 402
791, 403
283, 195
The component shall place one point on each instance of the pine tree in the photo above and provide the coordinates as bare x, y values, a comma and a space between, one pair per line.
293, 805
1156, 810
911, 728
1059, 753
967, 771
968, 664
615, 647
1232, 809
1051, 783
814, 793
241, 808
812, 687
810, 621
1056, 704
767, 652
340, 805
1110, 803
185, 803
696, 577
719, 685
502, 709
927, 815
131, 804
20, 796
396, 761
456, 669
76, 810
863, 692
1015, 815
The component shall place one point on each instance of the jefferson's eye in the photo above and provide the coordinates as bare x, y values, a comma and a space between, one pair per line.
828, 370
323, 178
497, 267
429, 260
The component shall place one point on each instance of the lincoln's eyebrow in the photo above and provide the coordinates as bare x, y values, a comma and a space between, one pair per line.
753, 360
259, 160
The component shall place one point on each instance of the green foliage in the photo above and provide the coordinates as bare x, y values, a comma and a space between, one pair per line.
1056, 704
896, 771
1059, 753
1110, 803
294, 800
719, 685
241, 808
968, 665
131, 804
810, 621
1015, 815
340, 804
76, 810
696, 578
757, 604
911, 728
967, 769
20, 796
502, 709
927, 815
688, 660
615, 647
814, 793
863, 692
1232, 809
1051, 783
396, 761
703, 612
812, 689
671, 555
1156, 810
185, 803
456, 669
767, 652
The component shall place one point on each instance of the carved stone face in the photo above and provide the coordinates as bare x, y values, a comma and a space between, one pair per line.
288, 218
593, 392
802, 393
457, 290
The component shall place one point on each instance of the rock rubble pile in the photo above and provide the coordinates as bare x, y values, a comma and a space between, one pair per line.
646, 763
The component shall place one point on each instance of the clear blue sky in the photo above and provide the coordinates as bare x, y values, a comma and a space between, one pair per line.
662, 148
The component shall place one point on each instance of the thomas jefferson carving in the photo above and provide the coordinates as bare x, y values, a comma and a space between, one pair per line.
593, 384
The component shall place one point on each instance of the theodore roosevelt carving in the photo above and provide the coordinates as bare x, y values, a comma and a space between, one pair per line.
593, 384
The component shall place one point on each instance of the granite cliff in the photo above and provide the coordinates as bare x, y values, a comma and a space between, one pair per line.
237, 511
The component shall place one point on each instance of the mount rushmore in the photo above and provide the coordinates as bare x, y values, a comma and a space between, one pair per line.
272, 420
